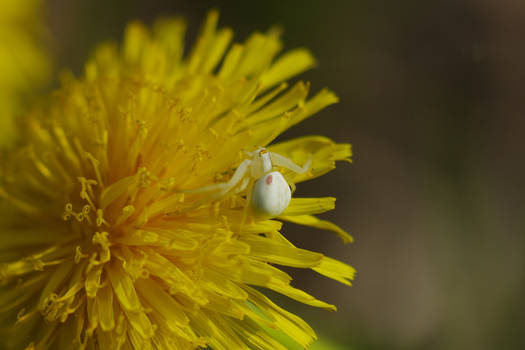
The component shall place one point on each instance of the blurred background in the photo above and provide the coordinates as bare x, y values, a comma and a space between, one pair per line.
433, 102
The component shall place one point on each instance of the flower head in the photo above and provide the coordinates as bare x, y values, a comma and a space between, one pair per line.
127, 216
24, 65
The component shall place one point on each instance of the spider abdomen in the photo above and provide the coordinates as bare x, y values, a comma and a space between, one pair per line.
271, 195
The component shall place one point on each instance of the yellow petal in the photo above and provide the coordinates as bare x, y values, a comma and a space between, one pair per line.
123, 287
303, 206
288, 65
289, 323
336, 270
162, 302
105, 308
280, 253
299, 295
312, 221
323, 152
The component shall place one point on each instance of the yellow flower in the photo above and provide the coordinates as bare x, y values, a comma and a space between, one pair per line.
118, 230
24, 65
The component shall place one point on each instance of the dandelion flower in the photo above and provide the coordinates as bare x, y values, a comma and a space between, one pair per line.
24, 64
116, 231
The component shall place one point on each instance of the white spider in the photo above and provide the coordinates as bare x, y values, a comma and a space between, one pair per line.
268, 192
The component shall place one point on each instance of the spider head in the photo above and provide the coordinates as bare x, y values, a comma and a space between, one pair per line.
261, 163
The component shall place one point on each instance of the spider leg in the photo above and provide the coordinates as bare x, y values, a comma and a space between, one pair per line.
243, 185
209, 188
239, 174
225, 187
221, 189
279, 160
247, 204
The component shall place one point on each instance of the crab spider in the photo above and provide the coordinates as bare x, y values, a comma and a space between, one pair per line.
268, 193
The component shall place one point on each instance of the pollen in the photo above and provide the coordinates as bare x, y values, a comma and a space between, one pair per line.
103, 243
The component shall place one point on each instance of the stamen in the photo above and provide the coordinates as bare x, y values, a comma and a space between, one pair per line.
86, 192
96, 167
79, 255
101, 238
127, 211
145, 177
68, 212
100, 218
86, 209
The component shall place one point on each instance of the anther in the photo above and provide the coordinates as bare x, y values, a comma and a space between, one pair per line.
100, 218
79, 255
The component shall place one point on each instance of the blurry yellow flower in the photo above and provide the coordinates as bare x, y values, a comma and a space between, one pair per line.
105, 242
24, 65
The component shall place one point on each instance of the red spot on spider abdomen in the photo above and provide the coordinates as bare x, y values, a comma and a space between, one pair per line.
269, 179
